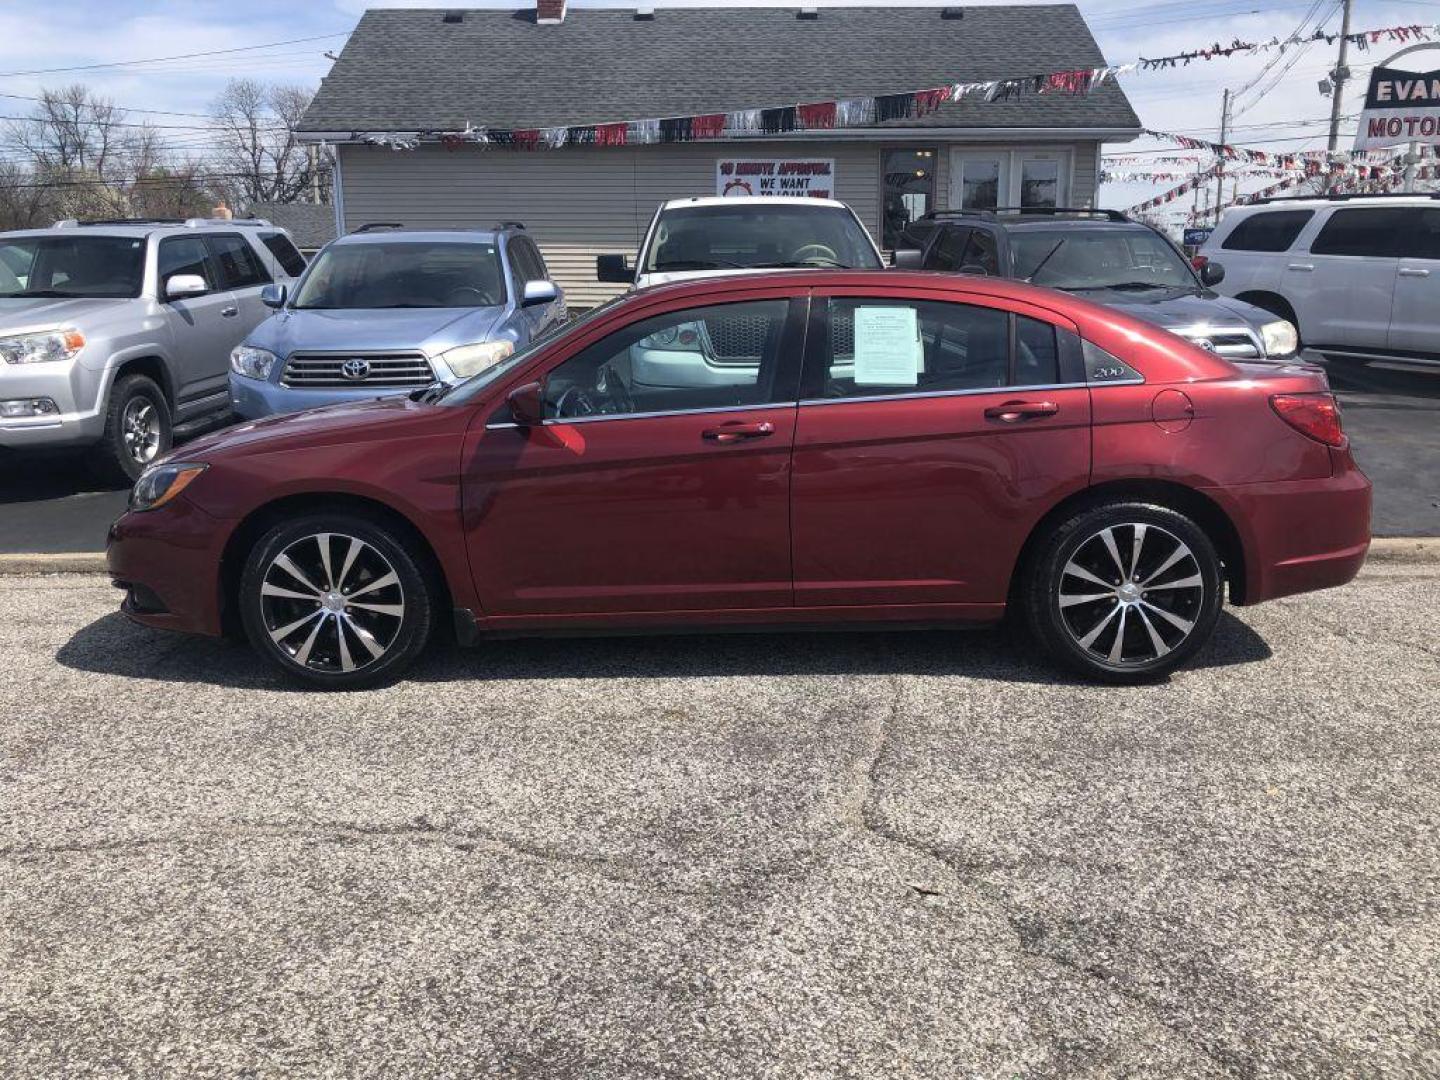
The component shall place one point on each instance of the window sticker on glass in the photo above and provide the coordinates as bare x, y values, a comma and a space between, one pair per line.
888, 351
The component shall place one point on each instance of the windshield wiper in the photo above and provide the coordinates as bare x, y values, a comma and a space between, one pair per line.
819, 260
700, 264
1132, 286
1048, 256
434, 392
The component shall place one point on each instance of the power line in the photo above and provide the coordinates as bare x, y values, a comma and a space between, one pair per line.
163, 59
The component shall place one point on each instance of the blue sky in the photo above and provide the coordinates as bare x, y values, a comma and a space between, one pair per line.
60, 33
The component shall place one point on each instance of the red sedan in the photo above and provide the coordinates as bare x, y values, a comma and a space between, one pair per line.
780, 450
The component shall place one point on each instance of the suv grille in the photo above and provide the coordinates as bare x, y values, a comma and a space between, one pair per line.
379, 369
738, 339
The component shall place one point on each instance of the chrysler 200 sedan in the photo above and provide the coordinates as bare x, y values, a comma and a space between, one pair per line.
815, 448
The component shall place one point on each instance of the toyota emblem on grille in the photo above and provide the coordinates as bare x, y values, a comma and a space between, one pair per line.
356, 369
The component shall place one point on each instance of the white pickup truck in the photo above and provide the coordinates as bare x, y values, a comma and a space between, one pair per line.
708, 237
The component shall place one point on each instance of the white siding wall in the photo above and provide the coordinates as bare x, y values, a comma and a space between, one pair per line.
584, 201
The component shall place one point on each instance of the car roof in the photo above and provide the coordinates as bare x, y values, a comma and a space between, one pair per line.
141, 229
422, 236
751, 200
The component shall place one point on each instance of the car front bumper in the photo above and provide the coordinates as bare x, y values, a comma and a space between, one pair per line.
168, 561
253, 399
77, 392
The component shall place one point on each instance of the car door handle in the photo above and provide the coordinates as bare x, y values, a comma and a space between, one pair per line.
1306, 267
1413, 271
732, 433
230, 312
1014, 411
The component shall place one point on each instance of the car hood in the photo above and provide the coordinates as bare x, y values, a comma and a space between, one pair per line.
356, 421
1181, 310
431, 330
20, 313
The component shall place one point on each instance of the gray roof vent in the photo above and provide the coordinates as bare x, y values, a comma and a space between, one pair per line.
453, 17
952, 13
645, 14
808, 13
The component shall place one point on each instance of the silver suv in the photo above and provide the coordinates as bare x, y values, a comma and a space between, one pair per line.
115, 336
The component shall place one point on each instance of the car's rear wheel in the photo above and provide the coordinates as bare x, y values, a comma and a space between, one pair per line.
1124, 592
137, 430
336, 600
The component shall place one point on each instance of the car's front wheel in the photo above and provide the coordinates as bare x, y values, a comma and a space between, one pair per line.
137, 430
1124, 592
336, 600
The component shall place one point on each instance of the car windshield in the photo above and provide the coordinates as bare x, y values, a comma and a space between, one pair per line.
752, 235
72, 265
462, 392
404, 274
1092, 258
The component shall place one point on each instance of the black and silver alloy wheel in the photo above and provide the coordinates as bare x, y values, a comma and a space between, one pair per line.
332, 602
140, 428
1131, 593
336, 600
1124, 592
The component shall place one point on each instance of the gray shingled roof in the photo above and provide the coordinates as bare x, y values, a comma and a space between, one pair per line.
408, 70
312, 225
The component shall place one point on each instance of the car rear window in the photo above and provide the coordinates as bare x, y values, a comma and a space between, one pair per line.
1273, 230
1363, 231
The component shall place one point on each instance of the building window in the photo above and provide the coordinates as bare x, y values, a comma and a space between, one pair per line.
1040, 182
909, 190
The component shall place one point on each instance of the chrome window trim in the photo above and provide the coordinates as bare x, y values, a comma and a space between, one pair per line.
953, 393
648, 415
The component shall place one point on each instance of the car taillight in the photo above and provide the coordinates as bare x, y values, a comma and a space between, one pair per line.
1316, 416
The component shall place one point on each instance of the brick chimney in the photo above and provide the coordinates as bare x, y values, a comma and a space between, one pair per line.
548, 12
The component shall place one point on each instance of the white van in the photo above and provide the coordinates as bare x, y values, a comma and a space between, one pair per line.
1358, 275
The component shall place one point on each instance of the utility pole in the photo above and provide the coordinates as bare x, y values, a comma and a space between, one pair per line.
1220, 169
1337, 80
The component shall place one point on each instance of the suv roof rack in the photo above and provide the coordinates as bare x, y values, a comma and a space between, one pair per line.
1042, 211
252, 222
75, 223
376, 226
509, 225
1346, 196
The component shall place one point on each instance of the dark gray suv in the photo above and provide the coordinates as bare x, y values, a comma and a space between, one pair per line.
1103, 256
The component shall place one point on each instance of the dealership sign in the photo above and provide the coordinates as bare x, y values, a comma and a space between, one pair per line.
1400, 107
814, 177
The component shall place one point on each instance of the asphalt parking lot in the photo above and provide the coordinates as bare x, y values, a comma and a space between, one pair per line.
867, 855
51, 504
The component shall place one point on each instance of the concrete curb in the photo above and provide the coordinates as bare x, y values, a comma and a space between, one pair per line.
1391, 550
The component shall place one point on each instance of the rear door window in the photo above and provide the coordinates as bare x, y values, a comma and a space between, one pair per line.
240, 267
1364, 231
1272, 230
286, 253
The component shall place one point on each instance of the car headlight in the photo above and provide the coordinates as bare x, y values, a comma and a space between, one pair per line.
59, 344
1279, 338
160, 483
470, 360
251, 362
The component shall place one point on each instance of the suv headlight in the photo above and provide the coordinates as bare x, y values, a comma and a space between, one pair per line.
59, 344
468, 360
160, 483
1279, 338
251, 362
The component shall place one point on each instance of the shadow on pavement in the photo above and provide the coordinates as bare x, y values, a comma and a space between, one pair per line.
115, 646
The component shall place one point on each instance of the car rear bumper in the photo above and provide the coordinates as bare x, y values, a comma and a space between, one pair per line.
168, 562
252, 399
1301, 535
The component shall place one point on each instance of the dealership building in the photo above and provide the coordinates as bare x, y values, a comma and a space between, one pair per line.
465, 118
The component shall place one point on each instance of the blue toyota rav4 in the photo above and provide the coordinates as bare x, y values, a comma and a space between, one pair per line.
387, 310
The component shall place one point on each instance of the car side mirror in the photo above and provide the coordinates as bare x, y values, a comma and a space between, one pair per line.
183, 286
527, 404
908, 259
273, 296
614, 269
1212, 273
539, 292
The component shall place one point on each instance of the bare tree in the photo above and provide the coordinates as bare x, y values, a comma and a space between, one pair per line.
255, 128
